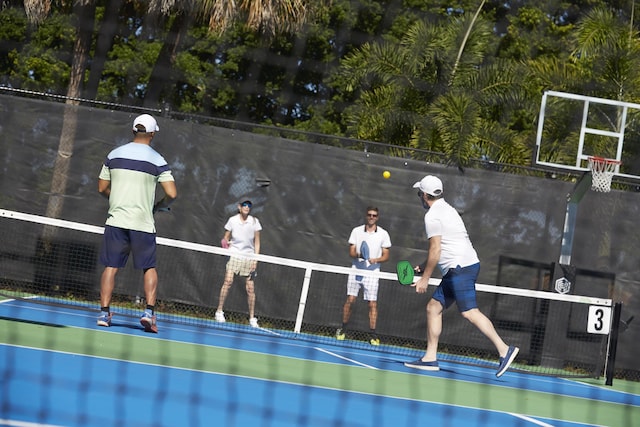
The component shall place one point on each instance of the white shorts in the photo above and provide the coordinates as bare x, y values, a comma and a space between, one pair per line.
368, 283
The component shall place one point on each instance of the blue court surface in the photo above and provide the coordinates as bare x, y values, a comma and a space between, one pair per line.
59, 369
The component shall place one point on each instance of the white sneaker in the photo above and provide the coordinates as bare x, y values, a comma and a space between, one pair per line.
220, 316
253, 322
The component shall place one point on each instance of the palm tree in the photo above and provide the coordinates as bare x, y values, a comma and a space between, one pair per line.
436, 90
609, 47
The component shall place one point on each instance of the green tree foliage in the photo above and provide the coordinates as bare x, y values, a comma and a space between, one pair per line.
429, 92
43, 63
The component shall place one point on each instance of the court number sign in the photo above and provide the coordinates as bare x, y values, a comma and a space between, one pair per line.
599, 319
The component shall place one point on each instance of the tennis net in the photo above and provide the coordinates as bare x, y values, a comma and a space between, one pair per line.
52, 261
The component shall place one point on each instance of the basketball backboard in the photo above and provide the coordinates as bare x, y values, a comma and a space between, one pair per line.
572, 127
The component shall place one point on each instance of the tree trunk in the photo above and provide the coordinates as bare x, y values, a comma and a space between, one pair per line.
86, 16
162, 69
104, 43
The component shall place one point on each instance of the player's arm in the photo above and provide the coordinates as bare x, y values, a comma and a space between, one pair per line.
432, 262
256, 249
170, 195
353, 253
384, 257
104, 187
256, 242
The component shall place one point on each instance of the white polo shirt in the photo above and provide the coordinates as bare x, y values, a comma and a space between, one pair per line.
376, 241
456, 248
243, 233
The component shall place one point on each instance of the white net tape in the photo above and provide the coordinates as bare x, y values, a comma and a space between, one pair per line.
602, 171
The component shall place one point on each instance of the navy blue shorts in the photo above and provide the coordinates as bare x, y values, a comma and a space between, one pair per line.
118, 243
459, 286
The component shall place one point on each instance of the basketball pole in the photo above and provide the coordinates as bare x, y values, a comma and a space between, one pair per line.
573, 200
564, 278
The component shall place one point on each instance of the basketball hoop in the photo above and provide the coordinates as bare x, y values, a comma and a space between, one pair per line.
602, 171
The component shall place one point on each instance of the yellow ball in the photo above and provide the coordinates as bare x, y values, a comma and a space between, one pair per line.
386, 174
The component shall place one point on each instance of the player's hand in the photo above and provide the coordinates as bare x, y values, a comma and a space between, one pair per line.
421, 285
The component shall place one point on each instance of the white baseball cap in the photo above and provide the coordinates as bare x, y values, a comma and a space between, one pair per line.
146, 120
430, 185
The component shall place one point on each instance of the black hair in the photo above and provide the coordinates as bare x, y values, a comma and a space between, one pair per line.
141, 129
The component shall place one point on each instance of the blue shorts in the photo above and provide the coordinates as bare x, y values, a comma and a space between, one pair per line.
459, 286
118, 243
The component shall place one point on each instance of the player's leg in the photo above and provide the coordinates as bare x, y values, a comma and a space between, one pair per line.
434, 329
224, 291
429, 361
347, 308
247, 269
346, 315
373, 314
251, 300
373, 319
107, 283
150, 278
148, 319
484, 325
143, 249
114, 254
440, 299
370, 294
464, 280
251, 296
353, 287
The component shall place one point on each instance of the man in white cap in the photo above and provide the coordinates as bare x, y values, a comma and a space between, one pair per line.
128, 179
451, 250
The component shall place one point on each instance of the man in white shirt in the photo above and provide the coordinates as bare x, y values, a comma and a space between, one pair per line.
378, 243
451, 250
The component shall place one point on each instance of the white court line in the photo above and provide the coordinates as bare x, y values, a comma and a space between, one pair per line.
543, 424
531, 420
269, 331
344, 358
15, 423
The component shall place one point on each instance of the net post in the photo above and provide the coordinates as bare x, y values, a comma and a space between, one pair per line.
613, 344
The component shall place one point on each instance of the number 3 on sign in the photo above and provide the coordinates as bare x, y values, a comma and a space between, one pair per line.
599, 319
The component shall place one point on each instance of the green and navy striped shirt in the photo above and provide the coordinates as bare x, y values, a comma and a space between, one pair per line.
134, 169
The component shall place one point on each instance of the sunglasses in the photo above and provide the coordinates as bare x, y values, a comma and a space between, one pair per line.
246, 204
420, 194
372, 215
